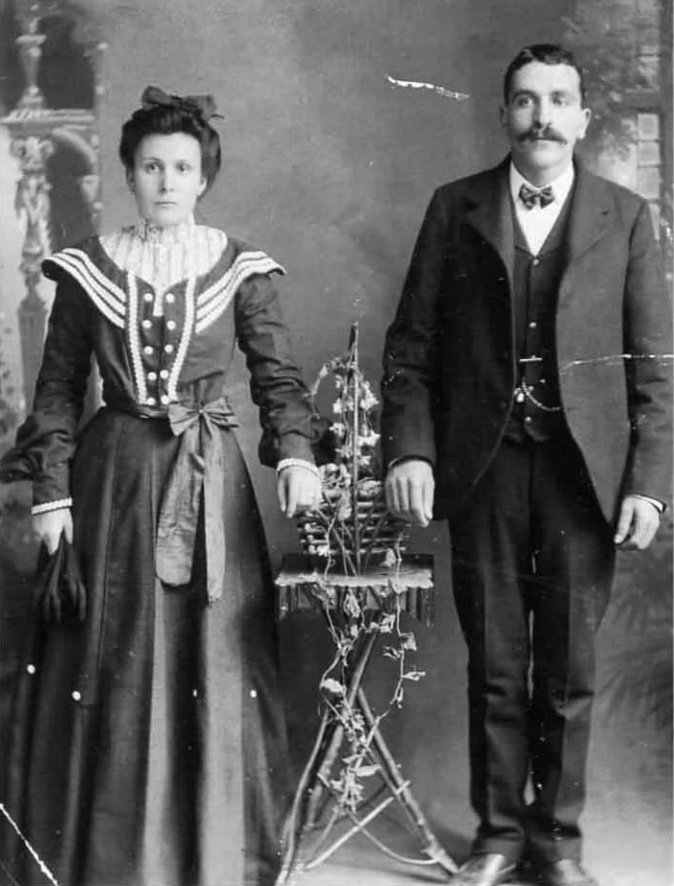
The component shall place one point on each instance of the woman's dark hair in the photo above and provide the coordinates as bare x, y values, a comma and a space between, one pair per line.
165, 120
549, 54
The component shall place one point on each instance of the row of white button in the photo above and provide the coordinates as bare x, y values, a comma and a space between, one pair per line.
169, 298
170, 324
148, 349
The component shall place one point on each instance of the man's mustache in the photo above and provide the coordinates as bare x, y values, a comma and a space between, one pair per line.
534, 135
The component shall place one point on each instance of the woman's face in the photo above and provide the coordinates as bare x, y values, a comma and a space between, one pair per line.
166, 179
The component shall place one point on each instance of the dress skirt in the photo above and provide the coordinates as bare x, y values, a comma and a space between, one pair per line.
146, 745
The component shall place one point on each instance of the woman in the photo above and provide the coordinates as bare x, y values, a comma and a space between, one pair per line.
148, 742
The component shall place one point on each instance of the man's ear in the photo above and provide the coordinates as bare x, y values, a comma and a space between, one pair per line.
502, 111
587, 115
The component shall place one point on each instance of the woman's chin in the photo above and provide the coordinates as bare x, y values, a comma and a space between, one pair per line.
167, 216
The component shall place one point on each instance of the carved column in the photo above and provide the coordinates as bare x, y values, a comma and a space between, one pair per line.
36, 132
32, 204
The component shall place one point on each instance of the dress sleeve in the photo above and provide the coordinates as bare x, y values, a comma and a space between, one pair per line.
288, 423
45, 443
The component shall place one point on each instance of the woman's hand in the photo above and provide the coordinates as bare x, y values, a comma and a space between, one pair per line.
299, 489
49, 526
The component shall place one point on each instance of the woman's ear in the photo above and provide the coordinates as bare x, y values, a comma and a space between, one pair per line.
130, 181
202, 187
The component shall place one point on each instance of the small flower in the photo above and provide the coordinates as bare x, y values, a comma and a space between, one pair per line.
333, 687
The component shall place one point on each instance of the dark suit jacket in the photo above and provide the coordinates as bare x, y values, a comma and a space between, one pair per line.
449, 357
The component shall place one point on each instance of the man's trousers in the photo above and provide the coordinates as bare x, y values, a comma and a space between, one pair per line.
533, 561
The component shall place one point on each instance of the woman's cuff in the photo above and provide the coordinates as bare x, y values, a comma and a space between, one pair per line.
298, 463
51, 506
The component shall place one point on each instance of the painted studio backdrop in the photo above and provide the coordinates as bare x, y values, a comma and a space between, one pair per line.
340, 119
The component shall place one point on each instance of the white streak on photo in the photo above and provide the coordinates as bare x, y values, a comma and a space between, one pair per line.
441, 90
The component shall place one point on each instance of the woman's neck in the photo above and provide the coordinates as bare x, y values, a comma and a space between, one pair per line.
167, 235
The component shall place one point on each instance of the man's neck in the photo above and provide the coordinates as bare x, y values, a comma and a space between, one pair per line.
539, 178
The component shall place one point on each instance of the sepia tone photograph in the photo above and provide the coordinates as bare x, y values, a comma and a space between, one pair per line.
336, 443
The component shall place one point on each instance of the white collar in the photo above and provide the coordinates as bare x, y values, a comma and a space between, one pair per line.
561, 186
169, 236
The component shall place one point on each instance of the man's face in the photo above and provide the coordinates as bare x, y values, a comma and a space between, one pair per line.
544, 118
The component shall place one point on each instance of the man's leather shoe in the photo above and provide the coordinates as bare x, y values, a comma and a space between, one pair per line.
565, 872
486, 869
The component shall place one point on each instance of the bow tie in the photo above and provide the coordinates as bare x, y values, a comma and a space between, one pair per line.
531, 196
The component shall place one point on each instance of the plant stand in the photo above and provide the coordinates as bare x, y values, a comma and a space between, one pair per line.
311, 832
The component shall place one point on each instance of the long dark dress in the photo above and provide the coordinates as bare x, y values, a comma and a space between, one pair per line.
146, 744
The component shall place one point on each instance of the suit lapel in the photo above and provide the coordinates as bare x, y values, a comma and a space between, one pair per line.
589, 217
589, 220
490, 213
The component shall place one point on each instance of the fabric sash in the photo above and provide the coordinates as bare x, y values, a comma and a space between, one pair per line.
197, 471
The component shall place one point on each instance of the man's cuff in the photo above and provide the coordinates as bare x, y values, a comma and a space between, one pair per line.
659, 505
404, 458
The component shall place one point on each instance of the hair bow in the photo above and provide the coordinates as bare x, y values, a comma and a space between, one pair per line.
203, 105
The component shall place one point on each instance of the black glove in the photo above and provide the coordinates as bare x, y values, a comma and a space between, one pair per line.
62, 596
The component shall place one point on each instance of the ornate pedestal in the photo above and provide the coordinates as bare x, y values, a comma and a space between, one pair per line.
331, 804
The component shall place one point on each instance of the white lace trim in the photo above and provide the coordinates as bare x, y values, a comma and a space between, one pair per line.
298, 463
47, 506
134, 340
164, 257
213, 301
186, 334
108, 298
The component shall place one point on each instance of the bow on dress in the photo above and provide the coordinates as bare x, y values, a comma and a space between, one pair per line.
200, 105
198, 471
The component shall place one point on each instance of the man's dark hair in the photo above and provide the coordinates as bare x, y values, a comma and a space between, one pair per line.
549, 54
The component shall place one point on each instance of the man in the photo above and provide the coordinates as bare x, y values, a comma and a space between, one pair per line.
527, 399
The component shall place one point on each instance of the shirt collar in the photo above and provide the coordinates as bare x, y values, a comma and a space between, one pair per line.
560, 186
168, 236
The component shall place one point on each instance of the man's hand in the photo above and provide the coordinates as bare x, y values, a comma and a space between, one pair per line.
298, 490
409, 490
49, 526
637, 524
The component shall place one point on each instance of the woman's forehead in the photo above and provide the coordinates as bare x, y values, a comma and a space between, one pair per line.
173, 145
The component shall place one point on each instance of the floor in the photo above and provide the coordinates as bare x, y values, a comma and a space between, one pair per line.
628, 843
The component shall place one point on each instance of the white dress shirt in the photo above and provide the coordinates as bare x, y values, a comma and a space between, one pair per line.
537, 222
